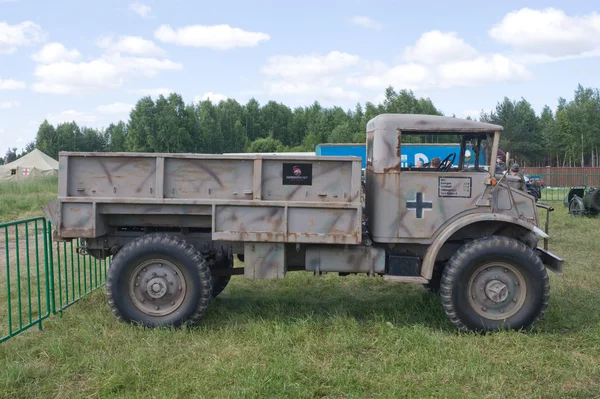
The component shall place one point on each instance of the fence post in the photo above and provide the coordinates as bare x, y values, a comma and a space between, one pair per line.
51, 265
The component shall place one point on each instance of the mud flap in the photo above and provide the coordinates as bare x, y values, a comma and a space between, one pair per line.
550, 260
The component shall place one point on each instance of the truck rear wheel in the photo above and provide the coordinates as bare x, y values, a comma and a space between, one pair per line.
159, 280
494, 283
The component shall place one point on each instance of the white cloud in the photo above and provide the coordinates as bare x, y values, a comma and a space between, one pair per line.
108, 72
439, 60
549, 32
406, 76
214, 97
366, 22
141, 9
309, 66
55, 52
436, 47
19, 35
10, 84
81, 118
152, 91
115, 108
9, 104
217, 37
134, 45
483, 69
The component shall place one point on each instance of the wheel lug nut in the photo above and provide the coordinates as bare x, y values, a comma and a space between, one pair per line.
514, 299
137, 284
170, 282
179, 288
483, 308
505, 271
156, 307
175, 273
160, 265
144, 269
142, 300
501, 310
172, 303
153, 274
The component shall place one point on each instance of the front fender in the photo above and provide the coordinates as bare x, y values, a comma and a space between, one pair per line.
448, 231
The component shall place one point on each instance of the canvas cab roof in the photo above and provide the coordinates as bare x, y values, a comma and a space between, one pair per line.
417, 123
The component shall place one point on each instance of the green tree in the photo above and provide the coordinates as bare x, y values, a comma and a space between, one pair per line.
267, 144
116, 137
141, 126
46, 139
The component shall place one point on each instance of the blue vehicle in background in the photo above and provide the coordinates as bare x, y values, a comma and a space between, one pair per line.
410, 154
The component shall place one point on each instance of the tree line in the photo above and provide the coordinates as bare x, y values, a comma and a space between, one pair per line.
566, 136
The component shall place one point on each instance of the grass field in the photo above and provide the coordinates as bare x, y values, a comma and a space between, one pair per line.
333, 337
24, 199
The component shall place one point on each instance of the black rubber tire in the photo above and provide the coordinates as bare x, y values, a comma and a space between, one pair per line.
576, 207
219, 283
433, 286
192, 264
468, 259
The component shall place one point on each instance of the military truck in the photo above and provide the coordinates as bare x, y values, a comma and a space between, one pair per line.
174, 222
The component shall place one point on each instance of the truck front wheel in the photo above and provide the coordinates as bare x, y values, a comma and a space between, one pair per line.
159, 280
494, 283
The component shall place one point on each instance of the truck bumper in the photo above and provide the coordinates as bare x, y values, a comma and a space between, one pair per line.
550, 260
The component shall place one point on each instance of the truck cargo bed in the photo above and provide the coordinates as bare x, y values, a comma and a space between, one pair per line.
246, 198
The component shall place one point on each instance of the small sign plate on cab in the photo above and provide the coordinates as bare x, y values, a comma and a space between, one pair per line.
454, 187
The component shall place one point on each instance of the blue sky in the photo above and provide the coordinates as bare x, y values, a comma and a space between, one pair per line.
91, 61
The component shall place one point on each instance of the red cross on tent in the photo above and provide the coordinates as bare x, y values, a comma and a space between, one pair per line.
26, 172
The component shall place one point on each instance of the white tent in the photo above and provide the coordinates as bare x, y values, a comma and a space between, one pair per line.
30, 166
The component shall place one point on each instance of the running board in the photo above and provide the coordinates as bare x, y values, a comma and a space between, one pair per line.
405, 279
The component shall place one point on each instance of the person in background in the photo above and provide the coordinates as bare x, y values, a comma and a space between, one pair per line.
515, 171
500, 163
419, 164
435, 162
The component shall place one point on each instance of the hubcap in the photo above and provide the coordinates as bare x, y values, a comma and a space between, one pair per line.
157, 287
497, 290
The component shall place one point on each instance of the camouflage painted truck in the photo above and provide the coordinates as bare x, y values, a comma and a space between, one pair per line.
173, 224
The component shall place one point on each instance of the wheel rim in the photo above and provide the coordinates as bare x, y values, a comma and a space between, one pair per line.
497, 290
575, 209
157, 287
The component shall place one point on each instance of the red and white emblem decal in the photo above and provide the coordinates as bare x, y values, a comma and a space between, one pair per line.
25, 172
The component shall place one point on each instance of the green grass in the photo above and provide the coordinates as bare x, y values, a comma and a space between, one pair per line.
20, 200
334, 337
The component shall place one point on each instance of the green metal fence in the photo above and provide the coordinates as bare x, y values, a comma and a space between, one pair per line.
39, 277
555, 187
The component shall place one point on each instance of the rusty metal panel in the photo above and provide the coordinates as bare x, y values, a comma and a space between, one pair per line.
264, 260
208, 178
331, 181
333, 222
245, 219
111, 177
77, 220
352, 259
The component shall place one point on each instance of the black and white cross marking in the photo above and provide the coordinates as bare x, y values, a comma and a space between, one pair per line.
418, 205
